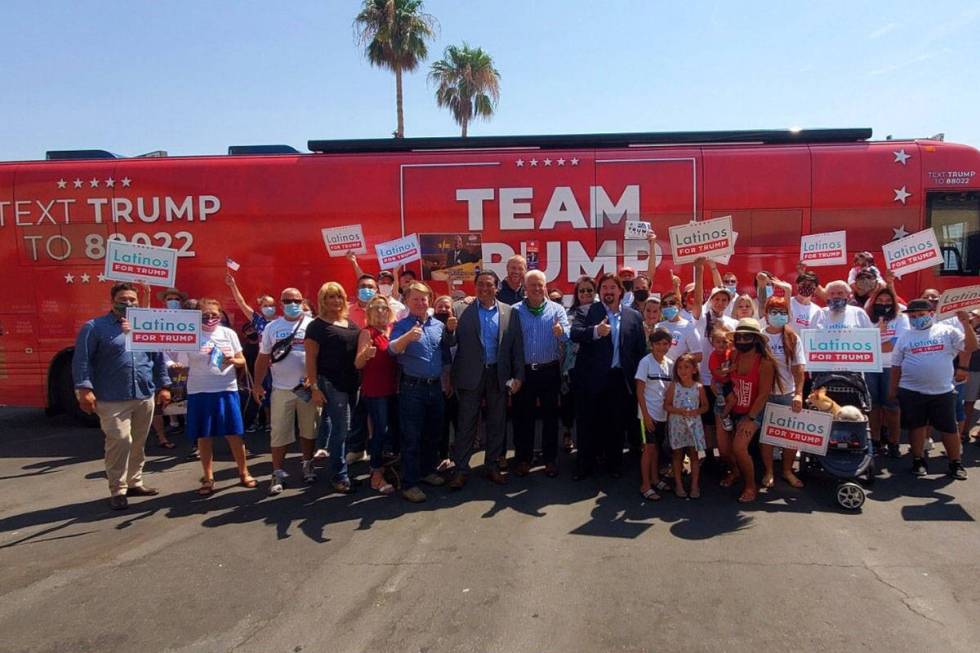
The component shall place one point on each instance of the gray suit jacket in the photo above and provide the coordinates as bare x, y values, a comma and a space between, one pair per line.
468, 363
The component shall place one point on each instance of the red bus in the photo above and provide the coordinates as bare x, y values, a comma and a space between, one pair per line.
569, 195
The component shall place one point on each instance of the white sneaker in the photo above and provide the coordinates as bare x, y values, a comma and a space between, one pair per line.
321, 454
277, 482
309, 476
929, 444
356, 457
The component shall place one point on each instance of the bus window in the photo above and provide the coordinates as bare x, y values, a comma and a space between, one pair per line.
956, 219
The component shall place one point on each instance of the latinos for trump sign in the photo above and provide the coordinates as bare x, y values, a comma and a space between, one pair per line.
341, 240
807, 430
958, 299
824, 249
163, 329
912, 253
398, 252
849, 350
140, 263
709, 238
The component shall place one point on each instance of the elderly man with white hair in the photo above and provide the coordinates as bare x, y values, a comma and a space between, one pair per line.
544, 325
838, 314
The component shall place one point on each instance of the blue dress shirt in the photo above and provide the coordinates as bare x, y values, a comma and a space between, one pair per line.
102, 364
423, 359
489, 332
540, 344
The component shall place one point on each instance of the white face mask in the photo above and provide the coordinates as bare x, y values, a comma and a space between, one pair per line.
385, 289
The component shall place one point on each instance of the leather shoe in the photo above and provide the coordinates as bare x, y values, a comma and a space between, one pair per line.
522, 469
142, 491
458, 481
118, 502
496, 477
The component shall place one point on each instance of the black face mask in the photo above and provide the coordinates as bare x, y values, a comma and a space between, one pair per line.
442, 317
745, 347
886, 311
627, 285
641, 295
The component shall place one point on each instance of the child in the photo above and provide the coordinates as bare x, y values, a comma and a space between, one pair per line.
652, 379
720, 363
685, 402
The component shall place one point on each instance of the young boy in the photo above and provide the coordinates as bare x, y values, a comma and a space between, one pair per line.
653, 375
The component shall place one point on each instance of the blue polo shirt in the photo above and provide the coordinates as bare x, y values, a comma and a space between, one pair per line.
425, 358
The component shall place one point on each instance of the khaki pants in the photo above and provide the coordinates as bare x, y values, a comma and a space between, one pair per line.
287, 410
126, 425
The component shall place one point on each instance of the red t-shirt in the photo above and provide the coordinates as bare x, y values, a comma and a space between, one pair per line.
716, 361
378, 375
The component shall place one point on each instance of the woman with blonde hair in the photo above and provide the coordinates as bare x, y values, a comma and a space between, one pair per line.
378, 391
213, 407
331, 346
743, 307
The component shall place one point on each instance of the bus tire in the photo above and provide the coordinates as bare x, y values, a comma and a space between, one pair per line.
64, 391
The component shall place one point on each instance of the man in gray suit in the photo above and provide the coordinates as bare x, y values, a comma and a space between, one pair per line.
489, 364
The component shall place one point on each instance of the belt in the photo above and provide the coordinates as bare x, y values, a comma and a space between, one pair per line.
534, 367
489, 366
418, 380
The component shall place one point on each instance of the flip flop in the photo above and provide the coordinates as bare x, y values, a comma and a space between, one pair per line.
651, 495
207, 487
768, 482
248, 481
793, 480
664, 486
748, 496
730, 479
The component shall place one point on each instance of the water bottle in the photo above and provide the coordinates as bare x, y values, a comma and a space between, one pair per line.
726, 420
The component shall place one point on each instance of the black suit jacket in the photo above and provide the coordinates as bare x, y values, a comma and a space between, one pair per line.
468, 363
594, 358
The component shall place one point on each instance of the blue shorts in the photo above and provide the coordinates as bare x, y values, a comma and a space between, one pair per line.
213, 414
878, 383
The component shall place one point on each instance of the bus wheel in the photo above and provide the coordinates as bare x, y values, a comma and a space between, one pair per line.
65, 391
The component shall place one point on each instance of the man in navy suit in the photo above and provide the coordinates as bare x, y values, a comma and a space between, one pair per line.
611, 344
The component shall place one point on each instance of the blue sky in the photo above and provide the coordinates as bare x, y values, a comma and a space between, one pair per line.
195, 77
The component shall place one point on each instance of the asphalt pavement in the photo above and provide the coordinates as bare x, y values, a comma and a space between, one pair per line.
539, 565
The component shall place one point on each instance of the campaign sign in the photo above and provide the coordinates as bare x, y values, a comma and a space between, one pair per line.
711, 238
341, 240
807, 430
398, 252
912, 253
140, 263
723, 260
958, 299
636, 230
849, 350
163, 329
824, 249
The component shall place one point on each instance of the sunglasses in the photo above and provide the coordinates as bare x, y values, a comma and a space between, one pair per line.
588, 291
286, 302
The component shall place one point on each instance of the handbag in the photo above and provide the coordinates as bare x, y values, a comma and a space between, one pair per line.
283, 346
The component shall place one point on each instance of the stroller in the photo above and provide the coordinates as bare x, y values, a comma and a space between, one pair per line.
849, 456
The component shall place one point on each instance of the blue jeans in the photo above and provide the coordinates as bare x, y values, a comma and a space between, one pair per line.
336, 419
377, 411
358, 434
420, 409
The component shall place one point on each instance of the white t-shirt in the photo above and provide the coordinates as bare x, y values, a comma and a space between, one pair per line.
699, 341
785, 371
678, 336
926, 358
201, 377
851, 317
290, 371
802, 316
656, 376
893, 329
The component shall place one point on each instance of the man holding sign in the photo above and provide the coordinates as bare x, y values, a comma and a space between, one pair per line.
922, 381
119, 387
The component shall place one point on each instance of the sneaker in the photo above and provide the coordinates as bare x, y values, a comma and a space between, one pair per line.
252, 428
894, 451
278, 482
356, 457
434, 480
309, 476
929, 444
414, 494
321, 454
957, 471
919, 468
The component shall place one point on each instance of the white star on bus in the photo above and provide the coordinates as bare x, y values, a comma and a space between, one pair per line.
94, 183
520, 163
85, 278
547, 162
901, 157
574, 162
125, 182
77, 183
534, 163
901, 194
69, 278
561, 162
110, 182
62, 183
101, 278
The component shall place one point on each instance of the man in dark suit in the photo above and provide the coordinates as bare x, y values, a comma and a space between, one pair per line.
459, 255
611, 344
489, 364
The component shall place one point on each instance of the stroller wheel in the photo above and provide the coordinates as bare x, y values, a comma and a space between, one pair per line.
850, 496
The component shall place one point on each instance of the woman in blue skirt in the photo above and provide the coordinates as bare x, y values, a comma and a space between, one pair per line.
213, 408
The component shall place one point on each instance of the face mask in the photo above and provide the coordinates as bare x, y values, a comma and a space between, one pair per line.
173, 303
292, 310
744, 347
670, 312
883, 310
864, 285
627, 285
442, 317
778, 320
805, 291
120, 307
385, 289
732, 289
641, 295
269, 311
365, 294
211, 323
921, 322
765, 291
837, 304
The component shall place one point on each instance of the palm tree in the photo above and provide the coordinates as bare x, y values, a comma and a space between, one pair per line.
467, 83
394, 35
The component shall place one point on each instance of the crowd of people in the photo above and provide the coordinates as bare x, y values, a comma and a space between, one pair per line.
404, 380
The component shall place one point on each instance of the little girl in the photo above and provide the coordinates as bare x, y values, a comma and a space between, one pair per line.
685, 402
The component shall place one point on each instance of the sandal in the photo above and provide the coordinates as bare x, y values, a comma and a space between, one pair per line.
248, 481
342, 487
651, 495
731, 478
793, 480
664, 486
767, 481
379, 484
207, 487
748, 496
